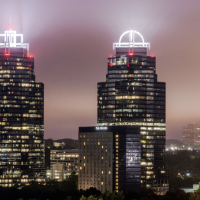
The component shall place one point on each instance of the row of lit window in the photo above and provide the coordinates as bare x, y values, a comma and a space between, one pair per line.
22, 150
20, 84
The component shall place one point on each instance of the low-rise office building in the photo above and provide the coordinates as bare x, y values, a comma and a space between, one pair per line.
62, 163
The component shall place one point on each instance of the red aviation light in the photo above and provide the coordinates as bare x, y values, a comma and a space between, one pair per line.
130, 54
7, 54
152, 56
110, 64
127, 65
110, 56
30, 56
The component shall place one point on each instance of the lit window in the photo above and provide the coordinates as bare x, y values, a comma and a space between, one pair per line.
101, 183
98, 143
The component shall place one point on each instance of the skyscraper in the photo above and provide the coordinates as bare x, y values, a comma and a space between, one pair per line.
130, 97
21, 114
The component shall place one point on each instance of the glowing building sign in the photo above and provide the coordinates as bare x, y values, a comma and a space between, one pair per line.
101, 128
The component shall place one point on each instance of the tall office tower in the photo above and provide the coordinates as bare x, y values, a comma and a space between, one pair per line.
132, 96
191, 134
21, 114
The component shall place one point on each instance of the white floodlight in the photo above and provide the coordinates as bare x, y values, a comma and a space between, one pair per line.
10, 40
131, 42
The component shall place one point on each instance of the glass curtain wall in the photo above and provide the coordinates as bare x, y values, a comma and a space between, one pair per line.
21, 121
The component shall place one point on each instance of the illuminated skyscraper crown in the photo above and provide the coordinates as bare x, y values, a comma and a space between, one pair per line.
131, 43
10, 40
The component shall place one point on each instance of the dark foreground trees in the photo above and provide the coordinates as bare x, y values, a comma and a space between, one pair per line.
67, 190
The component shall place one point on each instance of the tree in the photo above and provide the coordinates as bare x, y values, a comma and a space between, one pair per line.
91, 191
112, 196
195, 195
90, 198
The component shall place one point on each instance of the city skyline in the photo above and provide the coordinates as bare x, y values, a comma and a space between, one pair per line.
70, 55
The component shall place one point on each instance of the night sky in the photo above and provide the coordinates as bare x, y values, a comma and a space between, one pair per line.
71, 40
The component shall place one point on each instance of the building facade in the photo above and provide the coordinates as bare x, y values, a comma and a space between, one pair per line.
109, 158
21, 115
57, 172
191, 134
197, 136
62, 164
132, 96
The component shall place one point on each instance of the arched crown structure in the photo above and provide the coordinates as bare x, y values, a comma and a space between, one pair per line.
132, 43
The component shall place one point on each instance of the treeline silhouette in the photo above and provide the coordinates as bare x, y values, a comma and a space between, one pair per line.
67, 190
